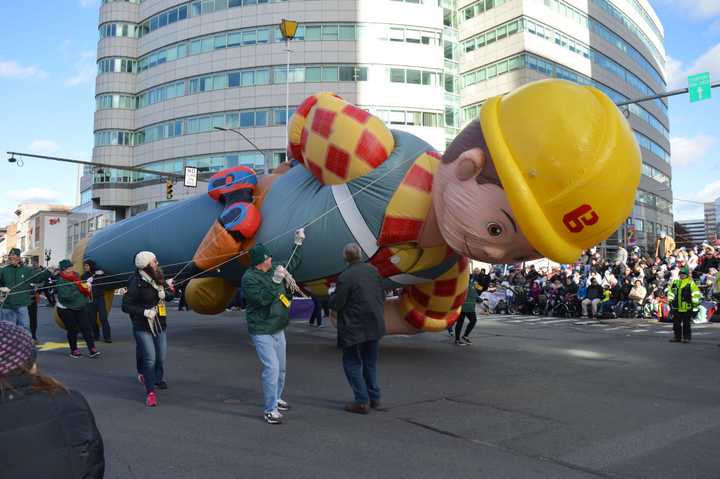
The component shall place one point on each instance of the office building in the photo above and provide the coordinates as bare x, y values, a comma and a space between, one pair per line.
169, 73
690, 233
712, 211
615, 45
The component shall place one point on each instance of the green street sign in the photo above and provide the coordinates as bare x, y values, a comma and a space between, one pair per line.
699, 87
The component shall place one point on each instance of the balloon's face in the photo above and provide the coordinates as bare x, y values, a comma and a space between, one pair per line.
474, 216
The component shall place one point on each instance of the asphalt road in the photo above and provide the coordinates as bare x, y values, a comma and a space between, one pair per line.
531, 398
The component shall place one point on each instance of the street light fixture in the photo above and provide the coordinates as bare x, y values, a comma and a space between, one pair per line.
288, 29
238, 132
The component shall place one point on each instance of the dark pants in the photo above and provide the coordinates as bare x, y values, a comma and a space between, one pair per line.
95, 309
360, 365
681, 324
77, 321
150, 354
32, 313
472, 319
182, 304
317, 312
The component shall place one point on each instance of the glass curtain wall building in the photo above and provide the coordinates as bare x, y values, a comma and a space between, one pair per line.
170, 72
614, 45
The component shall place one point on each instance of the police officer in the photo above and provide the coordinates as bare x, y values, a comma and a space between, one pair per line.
684, 298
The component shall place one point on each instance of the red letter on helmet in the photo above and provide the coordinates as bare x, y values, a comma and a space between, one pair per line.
582, 216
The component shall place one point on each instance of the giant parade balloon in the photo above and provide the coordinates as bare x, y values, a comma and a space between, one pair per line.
547, 170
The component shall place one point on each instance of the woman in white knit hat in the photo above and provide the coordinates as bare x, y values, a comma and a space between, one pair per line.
147, 293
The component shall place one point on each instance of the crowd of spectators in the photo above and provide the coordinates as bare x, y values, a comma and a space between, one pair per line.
628, 284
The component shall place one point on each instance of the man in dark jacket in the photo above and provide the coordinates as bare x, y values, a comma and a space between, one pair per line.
267, 315
359, 303
97, 309
46, 430
16, 288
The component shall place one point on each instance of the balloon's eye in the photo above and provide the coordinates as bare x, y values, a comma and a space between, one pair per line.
494, 229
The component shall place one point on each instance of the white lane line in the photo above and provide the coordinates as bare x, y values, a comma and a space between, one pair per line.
582, 323
616, 328
663, 332
639, 331
558, 321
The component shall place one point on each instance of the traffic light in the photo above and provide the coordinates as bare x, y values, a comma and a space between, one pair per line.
169, 189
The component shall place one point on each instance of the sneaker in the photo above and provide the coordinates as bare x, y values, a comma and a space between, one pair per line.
151, 400
141, 379
674, 340
273, 417
94, 353
460, 342
162, 385
685, 340
450, 332
377, 405
76, 354
466, 339
283, 405
108, 340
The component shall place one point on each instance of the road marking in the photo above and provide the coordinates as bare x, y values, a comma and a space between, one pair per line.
52, 346
558, 321
639, 331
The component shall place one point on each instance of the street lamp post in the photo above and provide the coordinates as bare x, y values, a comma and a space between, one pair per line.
288, 28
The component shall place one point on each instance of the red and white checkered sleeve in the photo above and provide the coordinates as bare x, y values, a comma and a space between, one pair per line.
336, 141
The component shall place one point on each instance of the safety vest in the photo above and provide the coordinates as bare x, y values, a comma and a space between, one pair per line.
684, 295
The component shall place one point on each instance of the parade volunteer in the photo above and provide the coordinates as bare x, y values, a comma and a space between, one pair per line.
268, 298
16, 289
684, 298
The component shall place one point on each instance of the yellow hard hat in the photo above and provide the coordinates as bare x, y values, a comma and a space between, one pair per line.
568, 162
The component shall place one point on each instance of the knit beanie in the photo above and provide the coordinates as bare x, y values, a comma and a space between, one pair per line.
16, 348
65, 264
14, 251
259, 253
143, 259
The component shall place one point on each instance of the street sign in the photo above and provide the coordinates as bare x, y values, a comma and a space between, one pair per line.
699, 87
191, 176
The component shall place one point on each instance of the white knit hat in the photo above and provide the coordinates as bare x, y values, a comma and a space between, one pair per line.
143, 259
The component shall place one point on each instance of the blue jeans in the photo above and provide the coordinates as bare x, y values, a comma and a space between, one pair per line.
150, 354
271, 352
360, 365
18, 316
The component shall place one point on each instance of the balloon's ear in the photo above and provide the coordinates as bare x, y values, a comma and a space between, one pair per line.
469, 164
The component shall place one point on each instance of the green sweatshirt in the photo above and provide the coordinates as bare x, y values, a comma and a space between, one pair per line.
69, 295
264, 312
18, 279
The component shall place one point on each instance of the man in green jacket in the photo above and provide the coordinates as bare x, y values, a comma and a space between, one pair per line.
684, 298
16, 289
267, 314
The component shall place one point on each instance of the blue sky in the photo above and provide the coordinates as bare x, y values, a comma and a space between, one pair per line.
47, 72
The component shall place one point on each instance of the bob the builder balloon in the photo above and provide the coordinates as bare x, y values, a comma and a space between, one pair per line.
549, 169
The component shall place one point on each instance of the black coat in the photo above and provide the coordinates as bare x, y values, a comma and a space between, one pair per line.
44, 435
359, 301
140, 296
